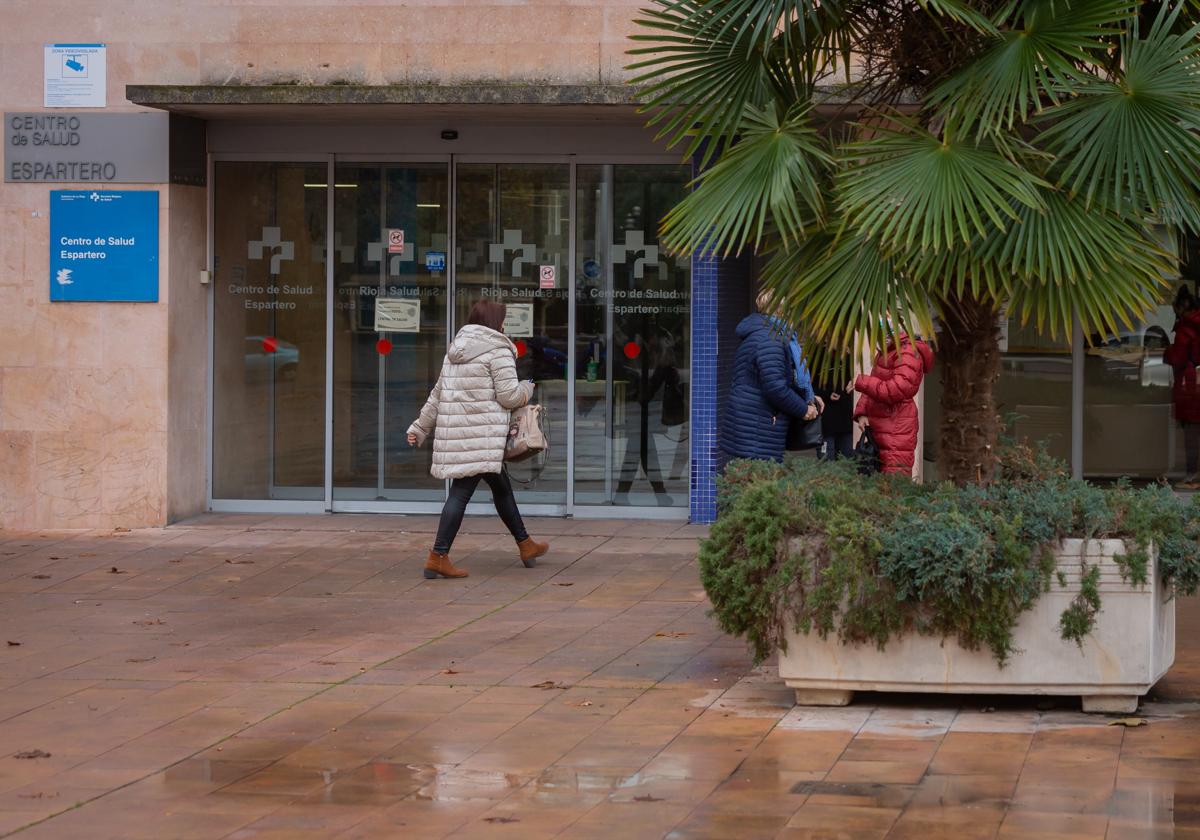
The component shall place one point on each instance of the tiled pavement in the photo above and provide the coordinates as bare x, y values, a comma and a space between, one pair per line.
254, 677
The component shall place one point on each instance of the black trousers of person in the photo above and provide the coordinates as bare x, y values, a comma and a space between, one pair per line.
461, 490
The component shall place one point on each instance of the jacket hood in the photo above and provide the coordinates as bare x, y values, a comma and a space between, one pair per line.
922, 349
752, 323
474, 340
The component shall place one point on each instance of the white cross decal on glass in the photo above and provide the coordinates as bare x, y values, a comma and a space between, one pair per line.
512, 242
345, 253
272, 244
375, 252
635, 243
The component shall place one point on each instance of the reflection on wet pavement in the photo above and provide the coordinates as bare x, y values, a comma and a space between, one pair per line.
250, 677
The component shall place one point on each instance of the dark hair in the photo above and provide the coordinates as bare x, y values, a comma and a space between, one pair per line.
488, 313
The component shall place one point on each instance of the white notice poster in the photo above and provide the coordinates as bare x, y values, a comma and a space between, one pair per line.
398, 315
75, 76
518, 320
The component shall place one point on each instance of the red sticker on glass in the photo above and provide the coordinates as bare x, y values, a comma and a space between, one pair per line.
270, 344
632, 350
383, 347
522, 349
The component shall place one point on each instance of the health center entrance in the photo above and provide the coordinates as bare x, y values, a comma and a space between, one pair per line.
337, 284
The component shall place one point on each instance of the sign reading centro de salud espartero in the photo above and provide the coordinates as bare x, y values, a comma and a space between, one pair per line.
70, 147
104, 245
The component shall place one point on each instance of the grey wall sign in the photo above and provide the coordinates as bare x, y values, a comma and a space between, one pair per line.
73, 147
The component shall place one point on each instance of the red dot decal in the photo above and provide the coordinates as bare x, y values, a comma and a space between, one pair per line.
383, 347
522, 349
632, 350
270, 344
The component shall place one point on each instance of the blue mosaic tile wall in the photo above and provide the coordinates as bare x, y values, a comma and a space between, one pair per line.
704, 388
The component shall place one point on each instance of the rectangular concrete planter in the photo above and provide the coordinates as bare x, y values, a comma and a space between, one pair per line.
1127, 652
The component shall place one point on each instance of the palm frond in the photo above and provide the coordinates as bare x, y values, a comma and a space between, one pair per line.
841, 294
1132, 141
915, 191
774, 177
1032, 63
1063, 253
698, 80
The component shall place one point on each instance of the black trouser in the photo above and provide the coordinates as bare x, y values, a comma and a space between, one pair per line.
1191, 446
461, 490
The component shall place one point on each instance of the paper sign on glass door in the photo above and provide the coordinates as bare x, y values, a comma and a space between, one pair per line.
518, 320
398, 315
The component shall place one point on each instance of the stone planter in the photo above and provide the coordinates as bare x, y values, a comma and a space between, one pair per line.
1128, 651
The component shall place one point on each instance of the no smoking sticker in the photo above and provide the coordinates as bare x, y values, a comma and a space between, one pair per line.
395, 241
548, 276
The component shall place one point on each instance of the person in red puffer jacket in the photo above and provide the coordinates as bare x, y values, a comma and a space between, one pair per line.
886, 400
1183, 355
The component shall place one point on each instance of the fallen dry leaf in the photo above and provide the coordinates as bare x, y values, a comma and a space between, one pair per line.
672, 634
447, 671
241, 562
647, 798
564, 584
120, 530
87, 554
1129, 722
550, 684
142, 659
500, 819
41, 577
32, 754
38, 795
149, 622
14, 644
115, 571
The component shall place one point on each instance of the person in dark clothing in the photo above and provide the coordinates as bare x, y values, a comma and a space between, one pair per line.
837, 420
764, 398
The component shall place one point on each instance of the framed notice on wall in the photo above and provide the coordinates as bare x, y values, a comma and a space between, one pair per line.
75, 76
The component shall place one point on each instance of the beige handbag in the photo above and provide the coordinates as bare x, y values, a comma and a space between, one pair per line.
528, 433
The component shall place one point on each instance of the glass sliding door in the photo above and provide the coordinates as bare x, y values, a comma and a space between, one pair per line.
632, 339
389, 328
512, 244
269, 305
309, 372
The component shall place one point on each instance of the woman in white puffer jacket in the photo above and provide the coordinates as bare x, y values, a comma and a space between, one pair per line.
468, 414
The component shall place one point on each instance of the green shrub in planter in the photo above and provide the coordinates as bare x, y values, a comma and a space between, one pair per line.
819, 548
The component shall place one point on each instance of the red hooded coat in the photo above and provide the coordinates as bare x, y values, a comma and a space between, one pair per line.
1183, 355
887, 401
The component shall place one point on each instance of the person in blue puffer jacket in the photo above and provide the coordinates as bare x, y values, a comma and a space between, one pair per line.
771, 389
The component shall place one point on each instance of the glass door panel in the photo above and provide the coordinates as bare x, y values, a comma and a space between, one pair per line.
632, 339
269, 311
512, 240
389, 331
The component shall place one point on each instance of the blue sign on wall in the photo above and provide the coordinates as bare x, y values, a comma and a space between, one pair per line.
104, 245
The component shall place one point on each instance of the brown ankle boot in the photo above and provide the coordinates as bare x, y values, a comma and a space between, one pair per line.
531, 551
439, 565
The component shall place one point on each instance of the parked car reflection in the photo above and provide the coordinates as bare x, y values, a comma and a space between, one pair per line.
261, 365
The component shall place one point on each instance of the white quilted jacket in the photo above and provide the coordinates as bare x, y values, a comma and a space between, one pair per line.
468, 410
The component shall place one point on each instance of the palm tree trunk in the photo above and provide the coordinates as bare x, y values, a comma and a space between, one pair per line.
969, 359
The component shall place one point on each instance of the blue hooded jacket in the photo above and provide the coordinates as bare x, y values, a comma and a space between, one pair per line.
765, 395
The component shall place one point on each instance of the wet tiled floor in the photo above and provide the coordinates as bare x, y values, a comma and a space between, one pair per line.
258, 677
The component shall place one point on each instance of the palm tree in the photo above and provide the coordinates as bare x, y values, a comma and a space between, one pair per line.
903, 164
